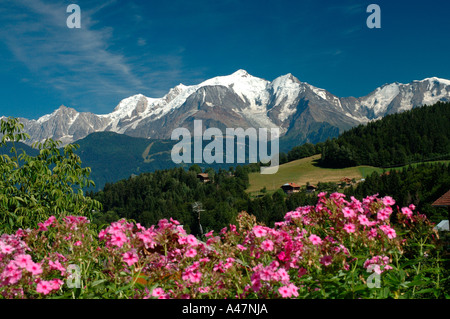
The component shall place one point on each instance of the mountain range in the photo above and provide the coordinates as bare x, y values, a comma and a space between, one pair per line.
135, 137
302, 112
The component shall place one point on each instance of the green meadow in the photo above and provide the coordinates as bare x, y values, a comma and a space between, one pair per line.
303, 171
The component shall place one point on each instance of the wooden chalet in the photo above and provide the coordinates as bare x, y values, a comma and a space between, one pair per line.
443, 201
204, 177
311, 188
290, 188
346, 180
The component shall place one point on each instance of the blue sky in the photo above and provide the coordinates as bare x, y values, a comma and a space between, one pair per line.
144, 46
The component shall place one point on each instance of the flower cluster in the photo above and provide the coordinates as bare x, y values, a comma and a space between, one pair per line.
18, 270
377, 264
21, 275
332, 241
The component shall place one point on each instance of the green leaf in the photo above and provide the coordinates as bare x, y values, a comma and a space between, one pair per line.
360, 287
98, 282
424, 291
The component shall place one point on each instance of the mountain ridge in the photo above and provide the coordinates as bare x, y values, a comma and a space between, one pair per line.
302, 112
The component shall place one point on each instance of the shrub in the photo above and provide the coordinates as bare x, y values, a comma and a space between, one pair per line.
32, 188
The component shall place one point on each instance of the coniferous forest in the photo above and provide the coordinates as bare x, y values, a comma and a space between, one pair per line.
420, 134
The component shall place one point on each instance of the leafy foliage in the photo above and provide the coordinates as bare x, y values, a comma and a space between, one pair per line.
32, 188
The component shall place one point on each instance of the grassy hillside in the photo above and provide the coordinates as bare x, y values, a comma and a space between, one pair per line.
305, 170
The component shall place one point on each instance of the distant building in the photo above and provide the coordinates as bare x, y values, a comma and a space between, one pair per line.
204, 177
290, 188
443, 201
442, 226
346, 180
311, 188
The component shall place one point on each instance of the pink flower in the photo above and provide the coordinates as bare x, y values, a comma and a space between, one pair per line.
101, 234
22, 260
56, 265
375, 263
337, 195
6, 249
50, 221
326, 260
372, 233
240, 247
283, 256
390, 232
147, 238
408, 212
44, 287
157, 292
229, 263
56, 283
203, 290
115, 227
349, 228
191, 240
34, 268
388, 201
191, 253
363, 220
267, 245
267, 274
219, 267
195, 277
130, 258
256, 283
383, 214
302, 271
348, 212
77, 243
285, 291
315, 240
284, 276
14, 276
259, 231
294, 290
118, 239
209, 234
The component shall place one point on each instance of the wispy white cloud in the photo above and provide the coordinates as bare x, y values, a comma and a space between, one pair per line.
70, 60
80, 62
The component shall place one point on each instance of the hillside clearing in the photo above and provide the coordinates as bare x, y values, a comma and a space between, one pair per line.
303, 171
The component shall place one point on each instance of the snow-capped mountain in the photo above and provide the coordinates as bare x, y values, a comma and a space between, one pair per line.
302, 112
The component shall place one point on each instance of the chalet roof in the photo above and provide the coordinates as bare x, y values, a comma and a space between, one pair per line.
444, 200
203, 175
292, 185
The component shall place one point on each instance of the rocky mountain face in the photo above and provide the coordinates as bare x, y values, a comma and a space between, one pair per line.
302, 112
